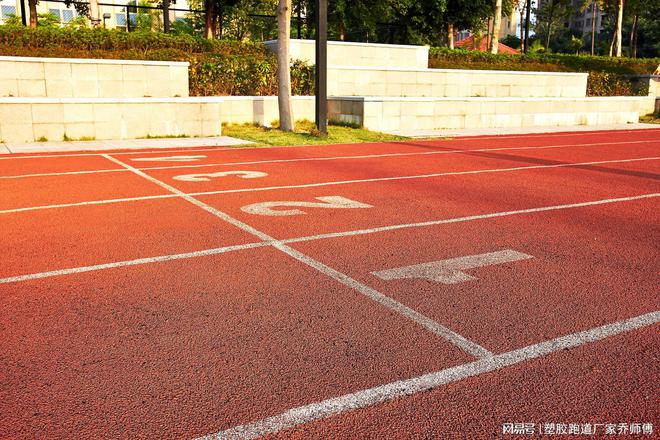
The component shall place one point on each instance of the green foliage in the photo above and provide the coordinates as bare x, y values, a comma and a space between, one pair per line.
216, 67
13, 20
607, 75
512, 41
611, 84
48, 20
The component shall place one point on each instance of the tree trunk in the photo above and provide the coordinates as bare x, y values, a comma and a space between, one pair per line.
619, 27
32, 4
218, 26
528, 10
633, 38
594, 18
497, 23
549, 30
478, 46
342, 30
209, 19
450, 35
522, 28
283, 67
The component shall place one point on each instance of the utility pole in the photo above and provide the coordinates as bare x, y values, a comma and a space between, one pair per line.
322, 66
166, 16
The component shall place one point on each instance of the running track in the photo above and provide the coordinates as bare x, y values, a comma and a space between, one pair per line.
406, 290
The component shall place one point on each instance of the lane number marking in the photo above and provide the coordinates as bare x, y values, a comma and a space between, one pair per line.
451, 271
327, 202
170, 159
208, 176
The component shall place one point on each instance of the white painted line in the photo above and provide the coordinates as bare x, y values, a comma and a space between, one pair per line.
451, 271
422, 141
136, 262
63, 173
316, 237
331, 158
384, 155
327, 202
421, 176
400, 389
209, 176
180, 158
88, 203
469, 218
422, 320
311, 185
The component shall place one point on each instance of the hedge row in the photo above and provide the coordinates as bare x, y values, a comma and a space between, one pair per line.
216, 67
458, 58
116, 40
240, 68
607, 76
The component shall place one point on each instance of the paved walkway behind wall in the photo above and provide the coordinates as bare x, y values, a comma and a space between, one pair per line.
126, 144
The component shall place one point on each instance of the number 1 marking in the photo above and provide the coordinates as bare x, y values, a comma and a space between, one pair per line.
451, 271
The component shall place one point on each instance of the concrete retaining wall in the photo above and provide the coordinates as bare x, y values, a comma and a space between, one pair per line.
34, 119
352, 81
263, 110
392, 114
91, 78
341, 53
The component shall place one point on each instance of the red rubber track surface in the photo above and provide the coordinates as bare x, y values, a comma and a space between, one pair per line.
207, 342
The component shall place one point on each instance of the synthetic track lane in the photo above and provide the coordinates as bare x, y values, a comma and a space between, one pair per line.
300, 173
31, 165
81, 236
424, 199
136, 311
183, 348
590, 266
54, 190
609, 381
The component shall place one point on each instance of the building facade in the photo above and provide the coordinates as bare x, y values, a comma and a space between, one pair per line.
112, 17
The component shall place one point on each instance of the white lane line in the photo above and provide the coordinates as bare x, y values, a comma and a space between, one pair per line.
420, 142
321, 158
375, 156
321, 236
468, 218
331, 183
403, 388
88, 203
468, 346
421, 176
136, 262
62, 173
311, 185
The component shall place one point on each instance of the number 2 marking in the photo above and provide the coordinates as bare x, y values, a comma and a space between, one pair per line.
170, 159
327, 202
207, 177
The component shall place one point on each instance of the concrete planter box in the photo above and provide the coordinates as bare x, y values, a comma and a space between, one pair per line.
91, 78
342, 53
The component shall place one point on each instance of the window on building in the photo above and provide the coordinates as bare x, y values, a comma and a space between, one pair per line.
56, 12
7, 10
67, 15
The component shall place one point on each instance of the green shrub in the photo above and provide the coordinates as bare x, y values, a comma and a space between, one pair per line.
607, 76
216, 67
